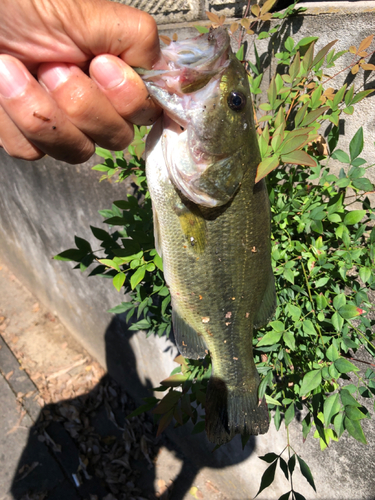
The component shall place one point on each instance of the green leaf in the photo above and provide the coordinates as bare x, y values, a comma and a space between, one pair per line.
285, 496
313, 115
138, 276
338, 424
158, 262
100, 234
337, 321
363, 184
354, 217
355, 430
339, 301
332, 353
271, 401
356, 144
284, 468
199, 427
322, 53
310, 381
331, 407
123, 307
267, 478
202, 29
289, 44
240, 53
270, 338
344, 366
292, 463
349, 311
361, 95
299, 158
266, 166
72, 254
306, 472
269, 457
289, 340
110, 263
103, 153
308, 328
347, 399
353, 413
289, 414
118, 281
365, 274
341, 156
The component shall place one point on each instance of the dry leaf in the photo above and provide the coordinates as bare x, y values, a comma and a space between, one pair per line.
211, 487
165, 39
194, 491
368, 67
9, 374
355, 69
175, 37
255, 10
36, 307
233, 27
353, 49
365, 43
214, 18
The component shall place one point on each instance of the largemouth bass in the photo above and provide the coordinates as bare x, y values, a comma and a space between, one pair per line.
212, 222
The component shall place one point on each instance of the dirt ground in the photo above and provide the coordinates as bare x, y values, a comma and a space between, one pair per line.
75, 415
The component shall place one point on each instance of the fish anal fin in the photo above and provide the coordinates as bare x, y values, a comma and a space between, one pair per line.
189, 343
268, 305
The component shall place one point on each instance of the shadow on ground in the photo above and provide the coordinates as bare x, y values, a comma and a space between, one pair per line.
85, 448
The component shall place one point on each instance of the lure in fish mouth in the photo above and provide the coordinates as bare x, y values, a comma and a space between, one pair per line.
212, 222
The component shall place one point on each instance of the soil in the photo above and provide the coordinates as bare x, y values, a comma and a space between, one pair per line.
80, 414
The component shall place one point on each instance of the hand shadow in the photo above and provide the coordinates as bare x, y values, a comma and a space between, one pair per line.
85, 448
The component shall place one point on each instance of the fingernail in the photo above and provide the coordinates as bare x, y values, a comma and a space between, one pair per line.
13, 79
54, 76
106, 72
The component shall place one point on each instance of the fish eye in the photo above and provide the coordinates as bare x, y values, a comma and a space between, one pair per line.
236, 100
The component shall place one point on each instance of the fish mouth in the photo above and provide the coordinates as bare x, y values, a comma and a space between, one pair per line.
189, 65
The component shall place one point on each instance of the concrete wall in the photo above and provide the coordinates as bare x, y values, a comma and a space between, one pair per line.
43, 204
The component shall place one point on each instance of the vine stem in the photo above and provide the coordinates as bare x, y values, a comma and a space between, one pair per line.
312, 302
361, 334
289, 448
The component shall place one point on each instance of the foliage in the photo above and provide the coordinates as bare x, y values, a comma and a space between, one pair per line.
323, 252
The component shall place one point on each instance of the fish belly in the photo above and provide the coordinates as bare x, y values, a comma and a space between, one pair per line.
218, 268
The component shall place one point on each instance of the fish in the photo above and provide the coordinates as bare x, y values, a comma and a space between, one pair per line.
212, 222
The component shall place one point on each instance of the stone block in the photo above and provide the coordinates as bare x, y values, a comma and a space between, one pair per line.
169, 11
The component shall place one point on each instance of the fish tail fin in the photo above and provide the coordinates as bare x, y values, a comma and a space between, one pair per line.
231, 411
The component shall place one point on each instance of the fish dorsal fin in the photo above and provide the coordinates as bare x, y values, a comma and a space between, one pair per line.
189, 343
268, 305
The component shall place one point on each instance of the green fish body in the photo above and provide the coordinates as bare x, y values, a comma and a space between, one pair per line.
212, 224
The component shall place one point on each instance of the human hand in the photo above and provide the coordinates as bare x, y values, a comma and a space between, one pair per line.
63, 112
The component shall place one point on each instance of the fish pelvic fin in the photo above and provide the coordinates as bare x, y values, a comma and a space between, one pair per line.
268, 305
189, 343
231, 411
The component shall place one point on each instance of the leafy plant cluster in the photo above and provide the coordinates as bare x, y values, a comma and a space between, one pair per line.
323, 257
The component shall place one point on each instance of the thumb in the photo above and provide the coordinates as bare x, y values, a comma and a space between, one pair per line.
113, 28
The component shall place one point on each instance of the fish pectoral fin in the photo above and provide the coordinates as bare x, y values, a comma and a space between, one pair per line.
157, 236
189, 343
268, 305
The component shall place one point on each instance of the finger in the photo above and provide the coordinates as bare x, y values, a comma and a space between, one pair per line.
37, 115
85, 105
14, 142
125, 89
112, 28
